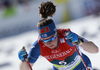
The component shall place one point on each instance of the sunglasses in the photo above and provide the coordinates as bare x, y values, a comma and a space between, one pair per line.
50, 40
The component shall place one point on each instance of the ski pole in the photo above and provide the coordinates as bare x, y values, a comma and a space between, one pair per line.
27, 59
82, 59
67, 33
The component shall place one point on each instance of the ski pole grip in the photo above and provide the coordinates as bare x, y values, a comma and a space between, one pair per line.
24, 48
67, 33
26, 59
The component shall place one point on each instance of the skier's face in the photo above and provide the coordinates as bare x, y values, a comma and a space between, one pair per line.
51, 41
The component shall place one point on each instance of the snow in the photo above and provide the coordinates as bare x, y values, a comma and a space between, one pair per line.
88, 27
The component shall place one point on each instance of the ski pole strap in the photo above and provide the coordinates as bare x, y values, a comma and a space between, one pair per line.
82, 59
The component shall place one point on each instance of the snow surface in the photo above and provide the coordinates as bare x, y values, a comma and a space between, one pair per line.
88, 27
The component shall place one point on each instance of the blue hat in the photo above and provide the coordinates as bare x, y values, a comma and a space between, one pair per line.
47, 31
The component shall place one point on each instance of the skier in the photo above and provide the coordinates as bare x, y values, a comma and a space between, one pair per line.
59, 46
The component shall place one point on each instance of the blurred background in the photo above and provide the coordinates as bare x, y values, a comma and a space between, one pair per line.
18, 28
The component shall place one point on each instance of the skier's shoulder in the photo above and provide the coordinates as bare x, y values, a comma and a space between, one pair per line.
36, 44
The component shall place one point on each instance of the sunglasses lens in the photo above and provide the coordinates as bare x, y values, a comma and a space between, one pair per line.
49, 40
45, 41
53, 38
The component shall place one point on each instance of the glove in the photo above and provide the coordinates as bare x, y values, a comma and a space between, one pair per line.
72, 37
22, 55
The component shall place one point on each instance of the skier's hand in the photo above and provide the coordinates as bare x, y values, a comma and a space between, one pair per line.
22, 54
73, 37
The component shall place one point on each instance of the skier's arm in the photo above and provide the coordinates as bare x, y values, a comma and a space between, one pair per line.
32, 57
89, 46
27, 62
